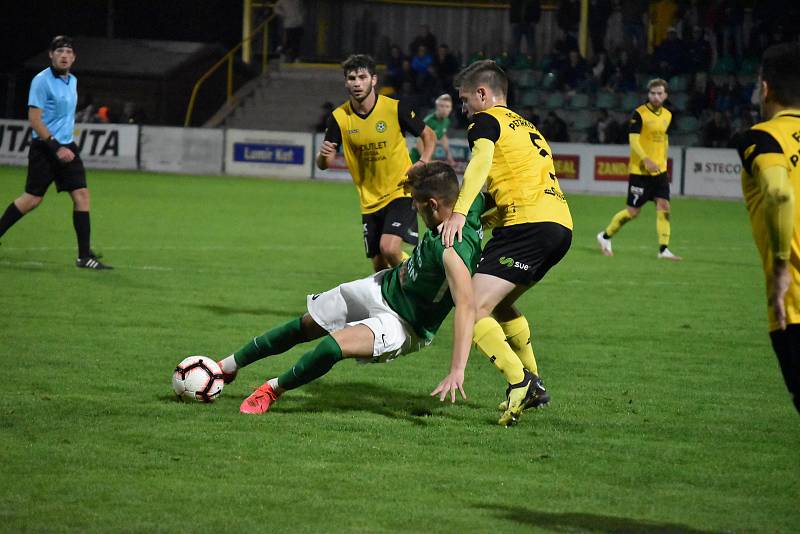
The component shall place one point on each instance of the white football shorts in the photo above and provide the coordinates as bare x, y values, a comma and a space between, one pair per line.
361, 302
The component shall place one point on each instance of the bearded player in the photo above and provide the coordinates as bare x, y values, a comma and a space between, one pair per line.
371, 129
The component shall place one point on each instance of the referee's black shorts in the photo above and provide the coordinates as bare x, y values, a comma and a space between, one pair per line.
787, 347
45, 168
523, 253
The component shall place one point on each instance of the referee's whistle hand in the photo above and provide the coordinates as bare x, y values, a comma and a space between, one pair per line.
65, 154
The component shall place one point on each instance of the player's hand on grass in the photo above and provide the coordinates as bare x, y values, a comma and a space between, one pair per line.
451, 228
780, 286
65, 154
450, 384
328, 149
651, 166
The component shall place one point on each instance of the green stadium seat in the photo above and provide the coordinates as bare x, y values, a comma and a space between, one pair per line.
526, 79
724, 65
530, 98
749, 66
549, 81
554, 101
679, 101
583, 121
579, 101
522, 62
606, 100
678, 83
545, 63
687, 124
631, 101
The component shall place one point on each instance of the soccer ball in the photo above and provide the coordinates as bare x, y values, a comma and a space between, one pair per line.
197, 378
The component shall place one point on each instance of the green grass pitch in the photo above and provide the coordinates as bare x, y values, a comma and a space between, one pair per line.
668, 413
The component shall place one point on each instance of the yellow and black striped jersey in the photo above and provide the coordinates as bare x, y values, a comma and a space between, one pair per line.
653, 129
374, 147
767, 144
522, 179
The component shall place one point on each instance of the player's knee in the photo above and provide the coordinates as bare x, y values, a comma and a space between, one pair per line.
28, 202
80, 197
633, 212
310, 328
662, 205
392, 252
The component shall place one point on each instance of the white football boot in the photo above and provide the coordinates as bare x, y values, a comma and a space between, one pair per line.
605, 245
668, 255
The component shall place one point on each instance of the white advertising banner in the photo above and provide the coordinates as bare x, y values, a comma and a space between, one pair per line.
102, 146
269, 154
713, 172
181, 150
584, 168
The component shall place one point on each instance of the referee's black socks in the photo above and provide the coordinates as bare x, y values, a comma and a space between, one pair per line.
11, 215
83, 229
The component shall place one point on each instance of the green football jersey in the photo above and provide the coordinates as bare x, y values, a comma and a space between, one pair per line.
417, 289
438, 126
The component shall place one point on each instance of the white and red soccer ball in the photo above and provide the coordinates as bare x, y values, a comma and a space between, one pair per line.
198, 378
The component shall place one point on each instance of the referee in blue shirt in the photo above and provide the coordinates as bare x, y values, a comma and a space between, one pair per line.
53, 155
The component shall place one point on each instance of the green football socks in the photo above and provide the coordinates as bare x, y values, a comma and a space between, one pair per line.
312, 365
274, 341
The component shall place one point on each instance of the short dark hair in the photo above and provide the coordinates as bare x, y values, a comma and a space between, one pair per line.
357, 62
61, 41
485, 72
780, 68
433, 180
658, 82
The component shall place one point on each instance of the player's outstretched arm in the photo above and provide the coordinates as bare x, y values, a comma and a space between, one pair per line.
474, 177
460, 283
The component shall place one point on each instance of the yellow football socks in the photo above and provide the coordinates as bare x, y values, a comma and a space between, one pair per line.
663, 227
518, 336
490, 339
617, 222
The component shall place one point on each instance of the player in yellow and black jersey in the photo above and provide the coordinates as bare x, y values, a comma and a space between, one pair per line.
770, 153
648, 135
533, 228
371, 129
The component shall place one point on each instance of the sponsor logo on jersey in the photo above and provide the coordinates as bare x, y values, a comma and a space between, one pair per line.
380, 126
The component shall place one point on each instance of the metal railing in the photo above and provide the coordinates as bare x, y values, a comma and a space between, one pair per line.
229, 58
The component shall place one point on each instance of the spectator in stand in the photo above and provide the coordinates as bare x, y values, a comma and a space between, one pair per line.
663, 15
670, 55
717, 131
425, 38
102, 115
420, 64
600, 70
732, 34
131, 114
406, 78
574, 75
447, 66
698, 51
291, 14
554, 128
606, 130
623, 77
633, 12
394, 67
731, 96
568, 15
322, 122
599, 13
523, 15
529, 114
615, 32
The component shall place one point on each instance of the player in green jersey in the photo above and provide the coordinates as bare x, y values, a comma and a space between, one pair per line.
439, 122
388, 314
